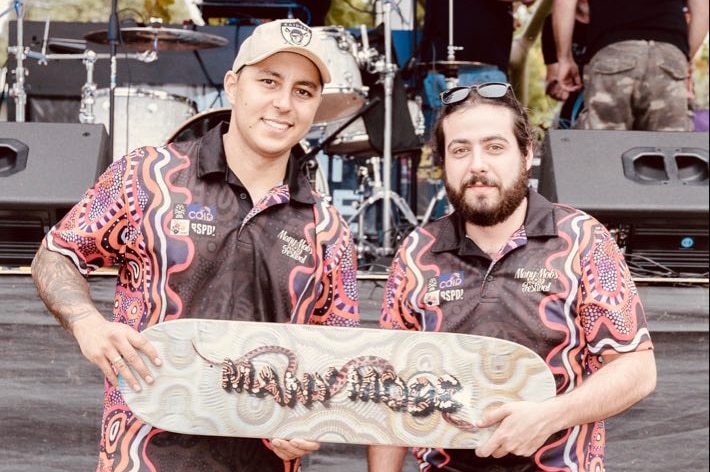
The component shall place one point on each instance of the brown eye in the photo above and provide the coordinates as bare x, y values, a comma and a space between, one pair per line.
304, 93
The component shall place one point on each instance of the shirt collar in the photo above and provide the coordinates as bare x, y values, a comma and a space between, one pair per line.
539, 223
212, 160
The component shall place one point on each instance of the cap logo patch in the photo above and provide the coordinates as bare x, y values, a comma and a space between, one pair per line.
296, 33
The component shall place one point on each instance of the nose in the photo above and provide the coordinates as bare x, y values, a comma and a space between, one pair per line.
282, 99
477, 162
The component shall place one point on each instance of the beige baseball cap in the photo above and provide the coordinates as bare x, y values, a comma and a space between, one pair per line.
289, 35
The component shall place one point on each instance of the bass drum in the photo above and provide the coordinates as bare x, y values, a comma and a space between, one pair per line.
198, 125
142, 116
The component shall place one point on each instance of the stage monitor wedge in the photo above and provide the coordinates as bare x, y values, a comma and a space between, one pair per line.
607, 172
649, 188
45, 168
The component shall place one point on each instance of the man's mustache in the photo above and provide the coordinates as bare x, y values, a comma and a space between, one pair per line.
478, 179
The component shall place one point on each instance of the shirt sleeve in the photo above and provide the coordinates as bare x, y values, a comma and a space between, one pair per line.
91, 233
610, 309
405, 304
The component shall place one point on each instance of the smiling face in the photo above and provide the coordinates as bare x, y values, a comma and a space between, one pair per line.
274, 103
485, 173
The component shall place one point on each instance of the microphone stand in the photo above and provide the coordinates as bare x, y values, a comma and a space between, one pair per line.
388, 86
451, 48
383, 186
113, 33
450, 55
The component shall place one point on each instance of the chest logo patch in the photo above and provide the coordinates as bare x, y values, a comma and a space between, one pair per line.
448, 287
193, 219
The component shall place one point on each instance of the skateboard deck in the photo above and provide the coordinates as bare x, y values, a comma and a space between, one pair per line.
332, 384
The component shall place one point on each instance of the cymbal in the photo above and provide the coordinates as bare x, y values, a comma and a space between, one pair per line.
163, 39
450, 66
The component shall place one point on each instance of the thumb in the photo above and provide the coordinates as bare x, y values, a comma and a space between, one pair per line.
492, 418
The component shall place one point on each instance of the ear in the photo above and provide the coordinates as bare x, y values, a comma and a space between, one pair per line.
529, 155
230, 85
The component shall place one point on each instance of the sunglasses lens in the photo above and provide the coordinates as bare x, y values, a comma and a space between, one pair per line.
493, 90
455, 95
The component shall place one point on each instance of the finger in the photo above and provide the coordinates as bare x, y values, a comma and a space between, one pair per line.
491, 418
500, 452
134, 344
283, 449
139, 342
304, 445
486, 449
577, 81
123, 369
294, 448
559, 93
109, 371
551, 87
135, 362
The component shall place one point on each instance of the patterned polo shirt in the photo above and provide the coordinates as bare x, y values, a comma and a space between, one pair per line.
560, 286
189, 243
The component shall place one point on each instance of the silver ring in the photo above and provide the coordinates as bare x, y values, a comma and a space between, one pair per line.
116, 359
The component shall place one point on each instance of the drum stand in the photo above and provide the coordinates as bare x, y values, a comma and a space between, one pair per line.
309, 159
88, 57
88, 90
369, 198
381, 188
437, 199
18, 88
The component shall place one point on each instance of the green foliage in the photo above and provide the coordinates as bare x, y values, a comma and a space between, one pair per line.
700, 77
542, 109
159, 9
351, 13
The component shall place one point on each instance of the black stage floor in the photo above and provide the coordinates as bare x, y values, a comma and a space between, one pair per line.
50, 396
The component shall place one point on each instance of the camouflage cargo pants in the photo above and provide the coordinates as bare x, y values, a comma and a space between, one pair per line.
641, 85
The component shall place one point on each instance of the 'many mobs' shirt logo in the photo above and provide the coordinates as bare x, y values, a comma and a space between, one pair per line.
446, 287
536, 280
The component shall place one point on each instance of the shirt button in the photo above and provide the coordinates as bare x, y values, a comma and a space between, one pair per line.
243, 196
489, 278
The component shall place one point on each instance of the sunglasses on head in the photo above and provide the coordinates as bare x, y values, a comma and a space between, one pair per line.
486, 90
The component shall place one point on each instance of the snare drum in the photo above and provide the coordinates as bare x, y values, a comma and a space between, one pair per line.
344, 94
142, 117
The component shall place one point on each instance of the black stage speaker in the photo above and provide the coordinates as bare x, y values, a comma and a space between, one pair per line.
44, 170
649, 188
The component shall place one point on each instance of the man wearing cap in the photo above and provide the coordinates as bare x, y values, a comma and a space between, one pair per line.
222, 227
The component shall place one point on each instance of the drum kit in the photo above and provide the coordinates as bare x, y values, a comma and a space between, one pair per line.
338, 128
150, 110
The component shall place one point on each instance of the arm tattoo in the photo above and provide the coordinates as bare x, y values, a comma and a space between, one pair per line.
61, 287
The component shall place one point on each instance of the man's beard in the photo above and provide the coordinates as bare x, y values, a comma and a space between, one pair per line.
482, 213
